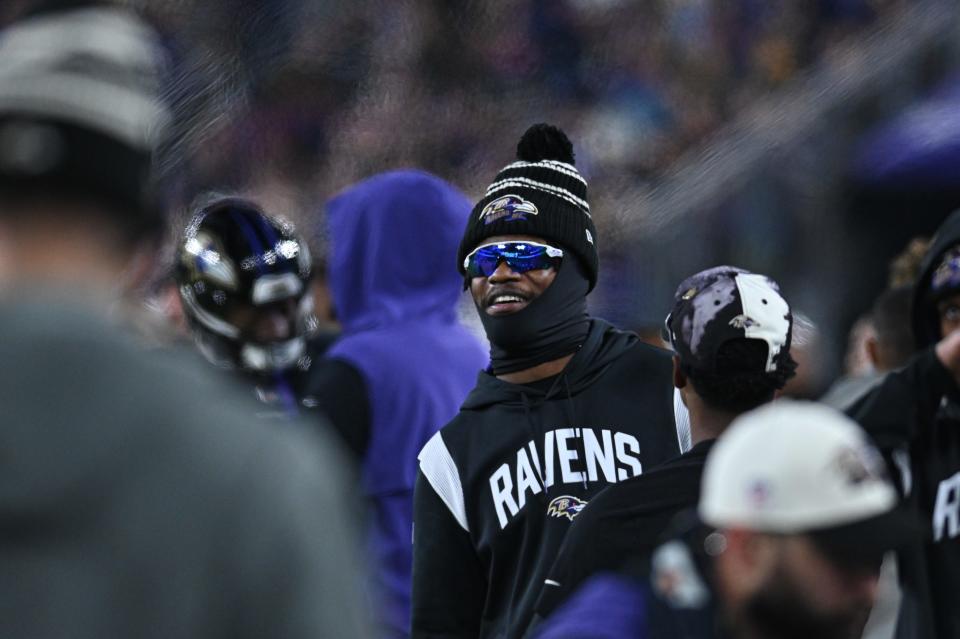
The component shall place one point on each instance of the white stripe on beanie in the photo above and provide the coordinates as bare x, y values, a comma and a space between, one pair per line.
561, 167
96, 32
540, 186
131, 116
34, 80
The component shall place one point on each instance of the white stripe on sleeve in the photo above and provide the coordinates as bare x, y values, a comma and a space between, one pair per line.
682, 419
441, 472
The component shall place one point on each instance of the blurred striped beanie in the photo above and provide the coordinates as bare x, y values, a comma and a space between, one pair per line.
80, 112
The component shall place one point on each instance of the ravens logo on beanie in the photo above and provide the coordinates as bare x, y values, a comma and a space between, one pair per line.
541, 194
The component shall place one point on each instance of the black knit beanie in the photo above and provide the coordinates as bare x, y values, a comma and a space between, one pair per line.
541, 194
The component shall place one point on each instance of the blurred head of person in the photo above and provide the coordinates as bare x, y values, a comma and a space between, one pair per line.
856, 361
891, 343
803, 516
528, 255
731, 332
944, 292
809, 350
80, 118
244, 284
936, 292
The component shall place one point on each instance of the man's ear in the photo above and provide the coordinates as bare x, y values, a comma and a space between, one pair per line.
5, 260
679, 379
872, 346
140, 268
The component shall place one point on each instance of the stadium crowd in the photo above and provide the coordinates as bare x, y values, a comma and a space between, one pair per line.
301, 99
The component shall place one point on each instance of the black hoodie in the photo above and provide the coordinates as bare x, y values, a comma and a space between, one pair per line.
500, 484
915, 418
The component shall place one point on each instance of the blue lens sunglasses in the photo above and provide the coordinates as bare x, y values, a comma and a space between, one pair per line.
520, 256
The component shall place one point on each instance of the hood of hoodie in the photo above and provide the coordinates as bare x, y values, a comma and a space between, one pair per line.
604, 344
394, 240
926, 322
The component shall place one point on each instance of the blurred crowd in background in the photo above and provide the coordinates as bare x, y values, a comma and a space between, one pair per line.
291, 101
444, 86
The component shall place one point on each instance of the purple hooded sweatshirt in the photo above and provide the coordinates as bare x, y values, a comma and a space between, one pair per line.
395, 286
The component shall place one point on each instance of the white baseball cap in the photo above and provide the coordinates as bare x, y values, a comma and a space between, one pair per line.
798, 467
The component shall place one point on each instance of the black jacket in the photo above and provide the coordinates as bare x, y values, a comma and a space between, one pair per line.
915, 417
500, 485
625, 521
339, 391
683, 601
666, 593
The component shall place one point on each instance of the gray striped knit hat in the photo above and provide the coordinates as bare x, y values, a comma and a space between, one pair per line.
80, 108
541, 194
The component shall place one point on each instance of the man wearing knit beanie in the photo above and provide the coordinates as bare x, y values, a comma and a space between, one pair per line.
568, 405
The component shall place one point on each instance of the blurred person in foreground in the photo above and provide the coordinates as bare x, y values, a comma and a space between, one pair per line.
137, 499
795, 516
730, 358
914, 415
568, 405
403, 364
808, 351
244, 283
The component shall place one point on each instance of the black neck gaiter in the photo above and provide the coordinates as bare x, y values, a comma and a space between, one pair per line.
551, 326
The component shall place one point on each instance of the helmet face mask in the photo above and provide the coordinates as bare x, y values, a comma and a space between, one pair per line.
244, 281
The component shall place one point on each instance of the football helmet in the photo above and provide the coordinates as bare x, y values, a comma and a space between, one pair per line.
243, 279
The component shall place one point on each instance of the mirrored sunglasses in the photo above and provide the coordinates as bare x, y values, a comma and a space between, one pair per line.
520, 256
